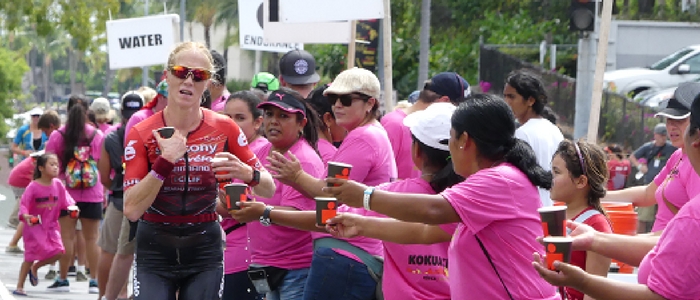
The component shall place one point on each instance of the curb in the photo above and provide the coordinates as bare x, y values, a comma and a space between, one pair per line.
4, 293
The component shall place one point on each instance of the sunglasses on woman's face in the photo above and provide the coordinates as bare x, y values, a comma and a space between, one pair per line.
198, 75
346, 100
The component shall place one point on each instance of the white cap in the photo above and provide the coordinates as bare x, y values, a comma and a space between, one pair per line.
37, 111
432, 125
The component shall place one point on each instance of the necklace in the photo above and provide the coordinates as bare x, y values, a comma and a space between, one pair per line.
428, 175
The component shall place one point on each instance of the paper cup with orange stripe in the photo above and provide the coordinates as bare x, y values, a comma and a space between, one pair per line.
558, 248
235, 192
553, 220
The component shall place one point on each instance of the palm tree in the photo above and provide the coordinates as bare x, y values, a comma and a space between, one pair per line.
227, 16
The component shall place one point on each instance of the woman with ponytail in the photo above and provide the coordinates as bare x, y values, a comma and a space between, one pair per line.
579, 175
495, 207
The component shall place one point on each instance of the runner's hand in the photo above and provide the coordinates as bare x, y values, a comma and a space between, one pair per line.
233, 167
173, 148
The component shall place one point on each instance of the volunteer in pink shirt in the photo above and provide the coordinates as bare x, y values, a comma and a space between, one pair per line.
284, 253
443, 87
496, 206
157, 104
414, 271
41, 204
217, 87
670, 265
330, 134
62, 142
242, 107
354, 94
676, 184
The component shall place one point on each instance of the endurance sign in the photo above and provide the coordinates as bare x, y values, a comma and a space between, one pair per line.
140, 42
250, 18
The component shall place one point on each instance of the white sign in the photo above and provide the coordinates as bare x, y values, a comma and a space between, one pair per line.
141, 42
250, 25
315, 11
312, 33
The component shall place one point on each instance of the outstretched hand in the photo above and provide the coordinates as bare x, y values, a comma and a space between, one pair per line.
565, 274
285, 170
348, 192
345, 225
250, 211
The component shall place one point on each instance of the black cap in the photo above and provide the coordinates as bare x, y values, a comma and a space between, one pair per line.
449, 84
131, 103
298, 67
219, 66
284, 101
678, 107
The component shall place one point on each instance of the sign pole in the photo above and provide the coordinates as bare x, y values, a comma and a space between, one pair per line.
601, 59
352, 44
144, 70
386, 54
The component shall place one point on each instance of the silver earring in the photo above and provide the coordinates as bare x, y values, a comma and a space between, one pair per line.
461, 147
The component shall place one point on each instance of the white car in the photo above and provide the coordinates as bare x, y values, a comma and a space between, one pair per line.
681, 66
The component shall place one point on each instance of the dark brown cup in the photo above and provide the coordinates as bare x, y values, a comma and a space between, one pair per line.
553, 220
338, 170
557, 248
326, 208
73, 211
235, 192
166, 132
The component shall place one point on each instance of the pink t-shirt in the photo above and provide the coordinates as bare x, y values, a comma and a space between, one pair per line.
499, 205
368, 150
237, 253
327, 150
43, 240
672, 268
55, 145
680, 186
22, 174
281, 246
218, 104
136, 118
416, 271
401, 142
104, 127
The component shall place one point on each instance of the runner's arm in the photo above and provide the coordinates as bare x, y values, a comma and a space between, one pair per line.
140, 186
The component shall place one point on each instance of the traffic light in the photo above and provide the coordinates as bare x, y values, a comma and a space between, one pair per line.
582, 15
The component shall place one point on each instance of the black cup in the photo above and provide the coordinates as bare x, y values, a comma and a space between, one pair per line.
338, 170
166, 132
553, 220
235, 192
326, 208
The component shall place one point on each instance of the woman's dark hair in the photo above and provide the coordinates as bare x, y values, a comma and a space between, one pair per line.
250, 99
617, 150
594, 163
74, 133
491, 124
41, 162
446, 176
206, 99
529, 85
312, 120
321, 104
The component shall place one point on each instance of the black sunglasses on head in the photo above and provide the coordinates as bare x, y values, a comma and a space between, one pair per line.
346, 100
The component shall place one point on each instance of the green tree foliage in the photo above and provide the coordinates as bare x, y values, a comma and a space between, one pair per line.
13, 69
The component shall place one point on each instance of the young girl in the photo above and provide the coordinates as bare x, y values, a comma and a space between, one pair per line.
41, 204
579, 177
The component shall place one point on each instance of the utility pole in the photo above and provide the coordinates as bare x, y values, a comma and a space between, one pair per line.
144, 70
182, 20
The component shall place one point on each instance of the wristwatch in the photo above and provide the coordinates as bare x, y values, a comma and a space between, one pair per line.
265, 218
256, 178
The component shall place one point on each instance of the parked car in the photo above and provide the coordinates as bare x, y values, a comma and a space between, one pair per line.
681, 66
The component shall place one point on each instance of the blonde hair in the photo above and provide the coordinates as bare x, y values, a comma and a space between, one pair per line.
147, 93
193, 46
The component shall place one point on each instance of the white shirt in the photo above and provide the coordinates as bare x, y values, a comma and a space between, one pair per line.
544, 137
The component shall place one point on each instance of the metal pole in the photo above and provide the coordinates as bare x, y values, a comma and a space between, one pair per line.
182, 20
352, 43
388, 66
258, 61
583, 87
552, 57
601, 59
144, 70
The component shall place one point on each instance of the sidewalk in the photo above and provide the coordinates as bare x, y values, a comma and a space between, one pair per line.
9, 273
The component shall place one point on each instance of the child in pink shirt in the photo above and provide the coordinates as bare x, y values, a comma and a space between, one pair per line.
41, 204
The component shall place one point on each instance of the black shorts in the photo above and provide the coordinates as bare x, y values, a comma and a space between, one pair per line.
92, 211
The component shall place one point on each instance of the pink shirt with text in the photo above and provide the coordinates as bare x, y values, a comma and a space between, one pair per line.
672, 268
499, 206
42, 241
237, 253
401, 141
55, 145
280, 246
677, 183
416, 271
